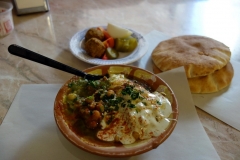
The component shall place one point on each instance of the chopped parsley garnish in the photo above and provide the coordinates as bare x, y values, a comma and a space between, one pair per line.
123, 105
130, 105
135, 95
127, 90
159, 103
94, 84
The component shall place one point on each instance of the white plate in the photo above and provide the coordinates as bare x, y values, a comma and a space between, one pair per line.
77, 50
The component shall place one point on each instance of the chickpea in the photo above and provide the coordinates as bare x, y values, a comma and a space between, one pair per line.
92, 124
96, 115
99, 106
92, 105
86, 112
110, 93
89, 99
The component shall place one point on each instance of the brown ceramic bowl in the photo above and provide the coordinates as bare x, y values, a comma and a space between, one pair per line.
115, 149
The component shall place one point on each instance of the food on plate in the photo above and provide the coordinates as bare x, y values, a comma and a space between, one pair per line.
115, 109
94, 33
111, 53
106, 34
95, 48
109, 43
125, 44
206, 61
117, 40
117, 31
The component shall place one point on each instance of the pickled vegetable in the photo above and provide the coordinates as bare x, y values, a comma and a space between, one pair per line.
109, 42
125, 44
111, 53
105, 57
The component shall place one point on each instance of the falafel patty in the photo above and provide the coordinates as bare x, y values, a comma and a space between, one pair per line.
94, 33
95, 48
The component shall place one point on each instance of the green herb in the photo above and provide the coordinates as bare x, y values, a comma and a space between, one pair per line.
135, 95
159, 103
130, 105
119, 99
127, 90
106, 98
93, 84
123, 105
104, 84
70, 85
115, 102
90, 98
141, 97
112, 102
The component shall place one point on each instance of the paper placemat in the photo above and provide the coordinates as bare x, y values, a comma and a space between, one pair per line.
224, 104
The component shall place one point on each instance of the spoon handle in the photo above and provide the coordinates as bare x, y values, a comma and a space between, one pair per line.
30, 55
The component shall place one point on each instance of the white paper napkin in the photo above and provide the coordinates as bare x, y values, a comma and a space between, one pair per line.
29, 130
225, 104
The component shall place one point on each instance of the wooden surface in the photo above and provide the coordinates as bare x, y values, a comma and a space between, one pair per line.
49, 34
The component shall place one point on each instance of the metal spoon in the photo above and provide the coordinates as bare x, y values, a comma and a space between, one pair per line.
30, 55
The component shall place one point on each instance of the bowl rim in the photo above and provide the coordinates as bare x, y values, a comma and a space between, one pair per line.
153, 142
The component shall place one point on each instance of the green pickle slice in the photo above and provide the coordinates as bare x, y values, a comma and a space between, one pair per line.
111, 53
125, 44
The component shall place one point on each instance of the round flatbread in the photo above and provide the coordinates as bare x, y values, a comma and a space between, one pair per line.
156, 70
213, 82
210, 83
199, 55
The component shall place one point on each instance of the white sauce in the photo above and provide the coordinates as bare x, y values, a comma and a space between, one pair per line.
147, 119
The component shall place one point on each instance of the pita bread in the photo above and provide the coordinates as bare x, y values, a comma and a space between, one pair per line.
210, 83
213, 82
156, 70
199, 55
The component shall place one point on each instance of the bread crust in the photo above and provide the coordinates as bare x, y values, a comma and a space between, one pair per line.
199, 55
213, 82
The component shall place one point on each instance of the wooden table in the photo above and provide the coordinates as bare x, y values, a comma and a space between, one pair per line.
49, 34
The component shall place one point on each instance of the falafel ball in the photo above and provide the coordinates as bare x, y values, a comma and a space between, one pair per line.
94, 33
95, 48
